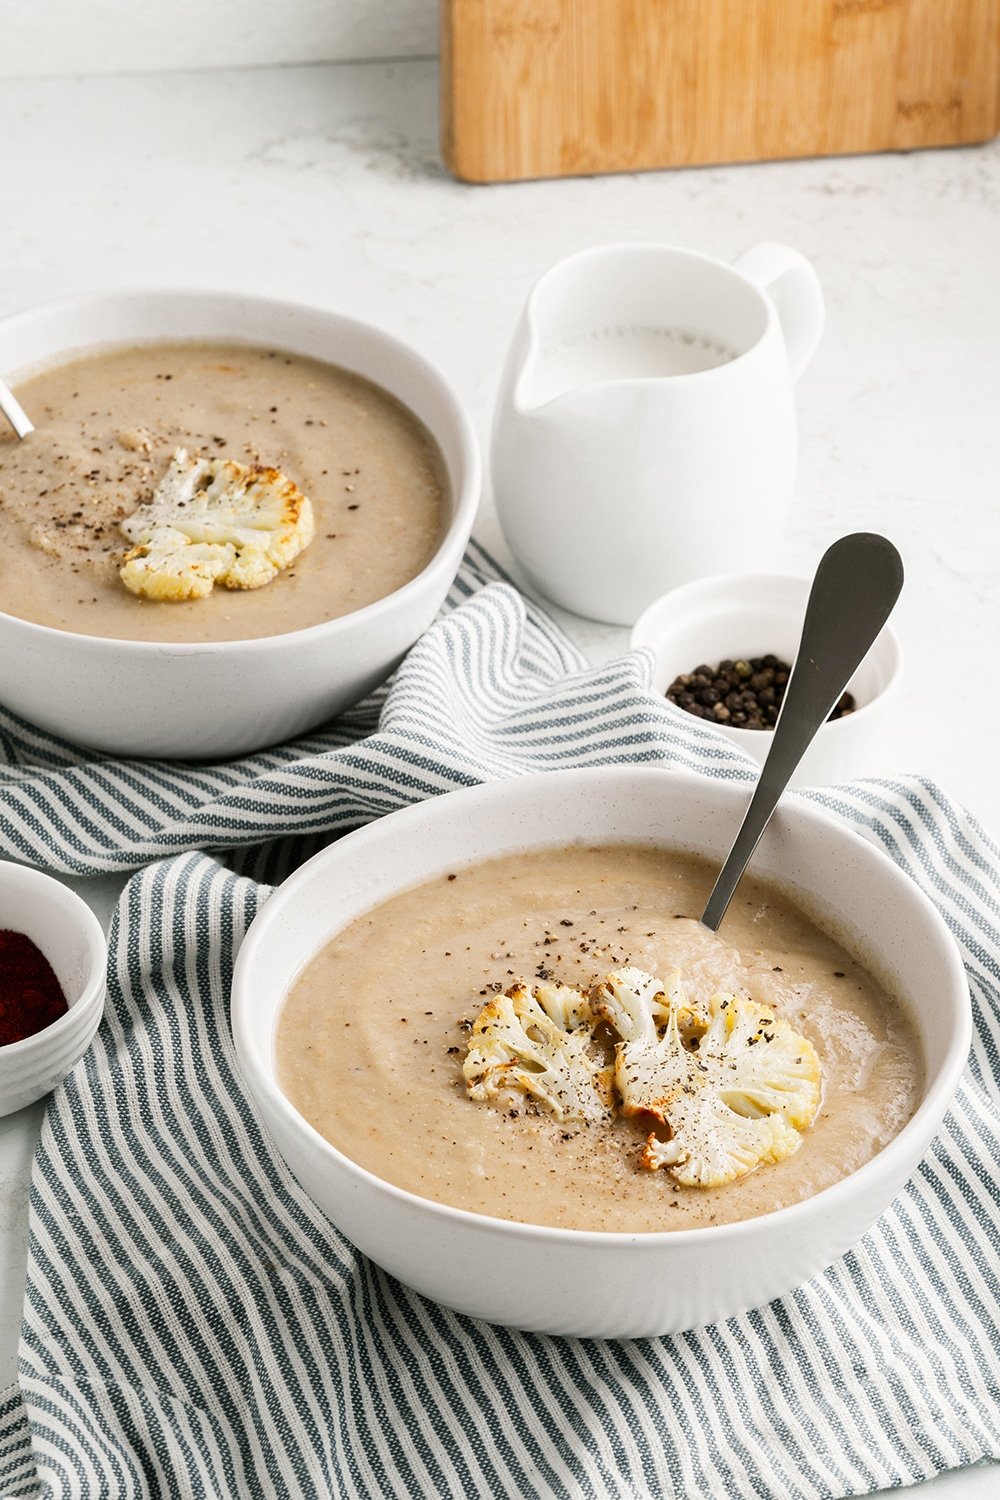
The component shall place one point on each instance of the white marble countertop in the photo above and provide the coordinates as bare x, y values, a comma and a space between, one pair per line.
324, 185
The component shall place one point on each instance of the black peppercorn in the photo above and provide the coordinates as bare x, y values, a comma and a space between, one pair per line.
743, 692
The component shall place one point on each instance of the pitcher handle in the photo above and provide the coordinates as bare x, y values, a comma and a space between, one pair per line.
792, 284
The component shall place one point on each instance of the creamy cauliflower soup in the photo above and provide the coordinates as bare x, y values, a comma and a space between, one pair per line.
375, 1034
107, 428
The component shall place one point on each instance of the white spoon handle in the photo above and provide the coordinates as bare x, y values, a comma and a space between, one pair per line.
14, 412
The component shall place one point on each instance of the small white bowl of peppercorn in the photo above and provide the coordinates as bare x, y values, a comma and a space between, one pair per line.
53, 967
724, 647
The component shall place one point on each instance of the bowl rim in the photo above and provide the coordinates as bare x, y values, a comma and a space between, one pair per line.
466, 496
887, 639
74, 909
938, 1093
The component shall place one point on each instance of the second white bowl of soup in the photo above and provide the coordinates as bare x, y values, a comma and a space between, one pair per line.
116, 384
360, 983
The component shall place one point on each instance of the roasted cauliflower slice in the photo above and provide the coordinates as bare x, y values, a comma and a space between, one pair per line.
212, 520
733, 1089
540, 1042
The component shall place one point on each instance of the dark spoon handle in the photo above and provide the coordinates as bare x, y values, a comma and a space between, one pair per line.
856, 585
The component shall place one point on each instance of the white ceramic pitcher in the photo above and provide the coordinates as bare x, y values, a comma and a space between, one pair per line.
645, 427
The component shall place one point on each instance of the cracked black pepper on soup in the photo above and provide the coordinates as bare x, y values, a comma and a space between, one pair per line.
745, 693
107, 426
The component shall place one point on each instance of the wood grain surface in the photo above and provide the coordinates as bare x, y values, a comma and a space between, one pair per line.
546, 88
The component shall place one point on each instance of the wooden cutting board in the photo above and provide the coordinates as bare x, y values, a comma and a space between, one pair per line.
550, 88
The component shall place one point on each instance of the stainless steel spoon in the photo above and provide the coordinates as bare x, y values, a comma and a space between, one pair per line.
856, 585
14, 412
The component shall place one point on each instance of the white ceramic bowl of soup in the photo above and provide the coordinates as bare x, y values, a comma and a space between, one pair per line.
743, 615
603, 1283
207, 699
63, 927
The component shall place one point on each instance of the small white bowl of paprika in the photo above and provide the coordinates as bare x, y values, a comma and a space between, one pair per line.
53, 977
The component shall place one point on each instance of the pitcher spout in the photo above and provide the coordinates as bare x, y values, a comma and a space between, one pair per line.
522, 365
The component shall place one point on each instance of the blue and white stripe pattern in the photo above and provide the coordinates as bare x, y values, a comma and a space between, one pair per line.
195, 1328
488, 692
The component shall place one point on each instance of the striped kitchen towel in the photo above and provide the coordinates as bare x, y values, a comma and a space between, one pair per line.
193, 1327
493, 690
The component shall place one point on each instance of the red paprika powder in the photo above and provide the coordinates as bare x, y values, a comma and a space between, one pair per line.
31, 996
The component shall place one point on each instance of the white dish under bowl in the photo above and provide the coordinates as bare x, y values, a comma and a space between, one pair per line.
209, 699
741, 615
599, 1283
63, 926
